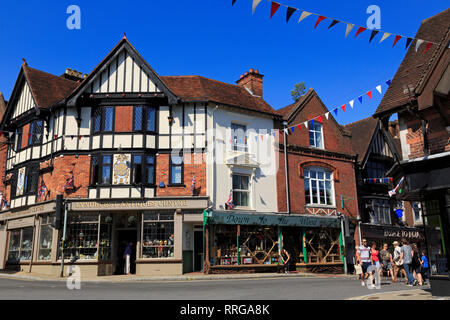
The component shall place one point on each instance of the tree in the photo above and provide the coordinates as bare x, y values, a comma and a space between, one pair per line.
299, 90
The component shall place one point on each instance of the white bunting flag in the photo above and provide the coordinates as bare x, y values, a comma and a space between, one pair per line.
255, 4
348, 29
385, 36
286, 131
351, 103
326, 115
418, 43
304, 15
306, 124
378, 88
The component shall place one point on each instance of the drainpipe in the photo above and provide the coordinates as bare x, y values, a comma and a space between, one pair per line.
286, 170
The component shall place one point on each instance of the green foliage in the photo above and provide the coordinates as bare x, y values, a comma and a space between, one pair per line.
299, 90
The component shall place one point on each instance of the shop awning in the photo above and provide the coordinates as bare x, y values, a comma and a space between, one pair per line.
271, 219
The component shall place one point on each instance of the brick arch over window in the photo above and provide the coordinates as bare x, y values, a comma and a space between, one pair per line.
323, 165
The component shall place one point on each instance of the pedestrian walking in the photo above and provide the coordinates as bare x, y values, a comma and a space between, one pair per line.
406, 255
374, 257
126, 256
416, 265
363, 259
386, 262
425, 267
285, 257
398, 262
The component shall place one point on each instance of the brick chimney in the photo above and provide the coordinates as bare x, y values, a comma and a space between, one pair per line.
253, 81
73, 75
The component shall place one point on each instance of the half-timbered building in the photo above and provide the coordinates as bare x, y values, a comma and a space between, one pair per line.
128, 150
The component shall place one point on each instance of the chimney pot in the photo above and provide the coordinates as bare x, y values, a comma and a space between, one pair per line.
251, 70
253, 81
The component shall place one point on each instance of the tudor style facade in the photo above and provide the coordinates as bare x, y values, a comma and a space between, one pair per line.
127, 149
321, 183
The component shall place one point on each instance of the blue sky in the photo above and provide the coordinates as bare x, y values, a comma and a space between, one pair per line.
214, 39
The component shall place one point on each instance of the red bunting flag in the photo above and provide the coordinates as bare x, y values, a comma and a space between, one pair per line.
55, 136
369, 93
392, 179
343, 107
299, 127
274, 8
397, 37
374, 180
261, 137
429, 44
79, 137
360, 30
319, 118
319, 20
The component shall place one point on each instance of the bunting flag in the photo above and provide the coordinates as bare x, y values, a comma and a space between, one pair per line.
286, 131
373, 34
336, 111
319, 20
369, 93
255, 4
360, 98
319, 118
79, 137
312, 123
333, 23
299, 127
360, 30
326, 115
290, 11
408, 42
394, 191
385, 36
388, 82
429, 44
273, 8
306, 124
348, 29
55, 136
304, 15
292, 129
343, 107
418, 43
397, 37
349, 26
378, 88
351, 103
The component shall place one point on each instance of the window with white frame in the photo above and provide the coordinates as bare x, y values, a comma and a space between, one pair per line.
316, 135
319, 187
417, 212
239, 137
241, 190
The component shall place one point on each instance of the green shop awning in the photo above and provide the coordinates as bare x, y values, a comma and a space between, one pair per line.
271, 219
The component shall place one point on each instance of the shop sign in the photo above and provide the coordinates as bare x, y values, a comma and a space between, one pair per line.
21, 223
273, 220
391, 233
45, 208
135, 205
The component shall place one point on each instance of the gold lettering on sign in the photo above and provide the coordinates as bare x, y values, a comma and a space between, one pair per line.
133, 204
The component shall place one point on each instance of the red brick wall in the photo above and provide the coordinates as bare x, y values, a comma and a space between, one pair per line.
3, 150
438, 138
124, 119
194, 165
56, 179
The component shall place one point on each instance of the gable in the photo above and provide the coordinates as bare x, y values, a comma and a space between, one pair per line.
24, 102
380, 147
123, 74
123, 70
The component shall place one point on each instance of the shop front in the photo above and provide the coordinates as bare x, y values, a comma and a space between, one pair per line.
252, 242
97, 233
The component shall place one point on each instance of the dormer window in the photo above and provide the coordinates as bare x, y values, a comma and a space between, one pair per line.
316, 135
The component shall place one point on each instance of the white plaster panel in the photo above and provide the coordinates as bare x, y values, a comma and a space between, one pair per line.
164, 142
138, 141
163, 122
104, 192
107, 141
120, 192
92, 193
123, 141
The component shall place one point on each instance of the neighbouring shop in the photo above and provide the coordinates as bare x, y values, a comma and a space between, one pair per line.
97, 233
251, 242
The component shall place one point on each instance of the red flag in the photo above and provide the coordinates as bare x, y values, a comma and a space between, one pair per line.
274, 8
319, 20
261, 137
319, 118
29, 135
79, 137
55, 136
392, 179
343, 107
397, 37
374, 180
429, 44
369, 93
360, 30
299, 127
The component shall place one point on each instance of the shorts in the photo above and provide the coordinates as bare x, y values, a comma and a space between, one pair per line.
387, 265
365, 265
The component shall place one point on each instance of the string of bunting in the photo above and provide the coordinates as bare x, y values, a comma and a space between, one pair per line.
38, 135
349, 26
378, 180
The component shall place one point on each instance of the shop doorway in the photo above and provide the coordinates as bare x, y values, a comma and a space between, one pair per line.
198, 250
125, 237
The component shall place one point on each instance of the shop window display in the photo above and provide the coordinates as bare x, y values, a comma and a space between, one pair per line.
322, 245
45, 239
105, 237
20, 245
14, 246
82, 237
158, 239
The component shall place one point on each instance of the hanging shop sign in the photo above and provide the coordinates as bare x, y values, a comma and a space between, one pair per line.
121, 169
218, 217
139, 204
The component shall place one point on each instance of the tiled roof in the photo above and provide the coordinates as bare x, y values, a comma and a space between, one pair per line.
416, 65
197, 88
2, 106
47, 89
362, 132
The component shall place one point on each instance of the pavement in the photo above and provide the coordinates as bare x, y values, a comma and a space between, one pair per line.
415, 293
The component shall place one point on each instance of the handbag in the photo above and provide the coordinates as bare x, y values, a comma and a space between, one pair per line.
358, 269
